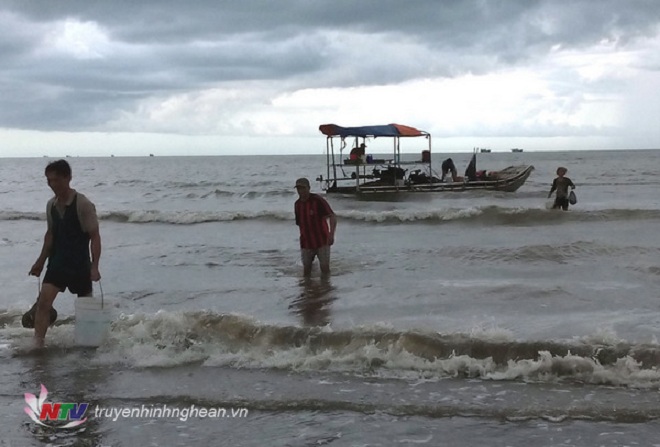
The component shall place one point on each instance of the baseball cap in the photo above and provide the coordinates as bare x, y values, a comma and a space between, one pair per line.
302, 182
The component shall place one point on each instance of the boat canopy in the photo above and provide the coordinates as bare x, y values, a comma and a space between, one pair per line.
388, 130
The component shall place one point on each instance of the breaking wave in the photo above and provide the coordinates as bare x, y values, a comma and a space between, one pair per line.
19, 215
496, 215
486, 215
170, 339
192, 217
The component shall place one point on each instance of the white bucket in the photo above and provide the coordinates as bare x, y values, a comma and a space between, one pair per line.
93, 318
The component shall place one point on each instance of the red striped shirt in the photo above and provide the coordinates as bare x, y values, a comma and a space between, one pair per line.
311, 218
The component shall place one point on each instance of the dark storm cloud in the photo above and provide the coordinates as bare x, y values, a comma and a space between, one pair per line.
168, 47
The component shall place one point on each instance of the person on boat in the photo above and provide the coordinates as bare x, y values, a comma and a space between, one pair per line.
317, 223
561, 184
72, 232
447, 167
358, 152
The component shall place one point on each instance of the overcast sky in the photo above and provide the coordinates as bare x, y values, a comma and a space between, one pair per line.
131, 77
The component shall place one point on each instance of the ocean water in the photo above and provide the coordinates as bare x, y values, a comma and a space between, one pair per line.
455, 319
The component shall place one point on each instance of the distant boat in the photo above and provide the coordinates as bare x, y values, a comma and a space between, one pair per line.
515, 149
484, 151
151, 155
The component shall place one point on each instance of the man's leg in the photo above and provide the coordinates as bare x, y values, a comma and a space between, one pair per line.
42, 317
324, 259
307, 257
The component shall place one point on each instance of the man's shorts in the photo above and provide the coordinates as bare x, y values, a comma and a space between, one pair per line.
307, 255
561, 202
81, 285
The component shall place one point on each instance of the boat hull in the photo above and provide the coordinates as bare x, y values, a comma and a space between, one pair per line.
508, 180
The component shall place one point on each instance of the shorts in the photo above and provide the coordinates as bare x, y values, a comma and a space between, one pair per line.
81, 285
560, 202
307, 255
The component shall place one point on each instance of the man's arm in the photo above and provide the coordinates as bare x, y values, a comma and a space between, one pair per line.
325, 210
95, 245
45, 252
90, 223
333, 226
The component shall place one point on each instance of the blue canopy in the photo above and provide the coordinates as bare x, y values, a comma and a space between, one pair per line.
388, 130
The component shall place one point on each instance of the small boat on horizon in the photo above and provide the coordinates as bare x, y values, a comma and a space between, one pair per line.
516, 149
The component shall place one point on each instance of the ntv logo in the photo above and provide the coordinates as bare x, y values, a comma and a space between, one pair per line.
41, 411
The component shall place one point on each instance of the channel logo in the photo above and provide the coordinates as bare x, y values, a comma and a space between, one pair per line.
53, 414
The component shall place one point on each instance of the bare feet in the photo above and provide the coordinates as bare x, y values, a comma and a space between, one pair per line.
39, 342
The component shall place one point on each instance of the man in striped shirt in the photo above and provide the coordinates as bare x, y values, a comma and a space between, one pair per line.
312, 217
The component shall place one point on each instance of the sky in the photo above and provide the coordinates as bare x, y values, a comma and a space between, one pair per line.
215, 77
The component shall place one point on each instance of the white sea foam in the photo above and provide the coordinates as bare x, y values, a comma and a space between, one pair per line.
169, 339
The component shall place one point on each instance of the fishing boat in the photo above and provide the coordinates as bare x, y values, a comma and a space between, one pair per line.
359, 173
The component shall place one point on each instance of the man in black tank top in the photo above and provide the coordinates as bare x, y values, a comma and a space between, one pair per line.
73, 232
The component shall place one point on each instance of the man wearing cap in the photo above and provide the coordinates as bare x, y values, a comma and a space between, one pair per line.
312, 216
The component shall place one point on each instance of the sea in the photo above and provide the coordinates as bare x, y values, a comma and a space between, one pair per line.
472, 318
